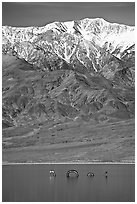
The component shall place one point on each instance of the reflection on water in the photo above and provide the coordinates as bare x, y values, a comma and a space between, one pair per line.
34, 183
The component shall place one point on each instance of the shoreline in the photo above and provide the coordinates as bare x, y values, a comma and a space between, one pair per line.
82, 163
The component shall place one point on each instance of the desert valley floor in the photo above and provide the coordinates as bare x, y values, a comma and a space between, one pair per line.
70, 142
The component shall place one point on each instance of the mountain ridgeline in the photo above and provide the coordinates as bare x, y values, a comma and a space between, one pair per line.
79, 70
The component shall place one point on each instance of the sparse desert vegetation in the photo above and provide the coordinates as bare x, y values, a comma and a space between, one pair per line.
71, 142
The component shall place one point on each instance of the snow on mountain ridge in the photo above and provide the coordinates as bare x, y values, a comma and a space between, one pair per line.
84, 69
69, 25
68, 38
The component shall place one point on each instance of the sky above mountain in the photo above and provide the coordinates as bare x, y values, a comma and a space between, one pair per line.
41, 13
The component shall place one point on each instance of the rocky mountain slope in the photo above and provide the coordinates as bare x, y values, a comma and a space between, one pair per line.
79, 70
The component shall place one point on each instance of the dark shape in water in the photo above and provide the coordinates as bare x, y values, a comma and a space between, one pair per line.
71, 172
90, 174
31, 183
106, 174
52, 173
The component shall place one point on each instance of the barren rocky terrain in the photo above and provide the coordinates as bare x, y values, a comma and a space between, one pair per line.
68, 92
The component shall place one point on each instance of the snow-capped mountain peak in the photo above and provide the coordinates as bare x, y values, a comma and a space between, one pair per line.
69, 39
75, 69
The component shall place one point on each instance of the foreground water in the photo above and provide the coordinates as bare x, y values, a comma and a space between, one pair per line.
33, 183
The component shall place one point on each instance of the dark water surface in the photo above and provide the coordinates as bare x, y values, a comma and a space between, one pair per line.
33, 183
